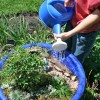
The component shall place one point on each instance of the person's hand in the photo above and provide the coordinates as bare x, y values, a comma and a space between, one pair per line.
64, 36
57, 36
68, 3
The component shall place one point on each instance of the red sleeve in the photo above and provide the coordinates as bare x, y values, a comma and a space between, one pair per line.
94, 4
99, 7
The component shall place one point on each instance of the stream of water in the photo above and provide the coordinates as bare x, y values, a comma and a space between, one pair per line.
60, 55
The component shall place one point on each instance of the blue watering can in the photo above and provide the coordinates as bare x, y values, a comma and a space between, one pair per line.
54, 14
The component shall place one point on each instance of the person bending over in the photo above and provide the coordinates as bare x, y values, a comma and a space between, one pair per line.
81, 31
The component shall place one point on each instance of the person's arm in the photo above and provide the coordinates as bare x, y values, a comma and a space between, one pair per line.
89, 21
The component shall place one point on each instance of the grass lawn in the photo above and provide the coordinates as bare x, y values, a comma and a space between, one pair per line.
17, 6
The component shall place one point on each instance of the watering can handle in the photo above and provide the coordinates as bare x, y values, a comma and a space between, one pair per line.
50, 1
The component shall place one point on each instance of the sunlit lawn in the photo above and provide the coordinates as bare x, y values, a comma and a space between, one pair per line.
18, 6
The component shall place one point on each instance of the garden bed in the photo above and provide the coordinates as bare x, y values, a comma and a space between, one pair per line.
58, 69
53, 68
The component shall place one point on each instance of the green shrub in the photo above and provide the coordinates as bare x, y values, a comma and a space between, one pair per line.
25, 68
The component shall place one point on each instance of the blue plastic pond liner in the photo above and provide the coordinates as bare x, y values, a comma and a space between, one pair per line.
2, 96
70, 61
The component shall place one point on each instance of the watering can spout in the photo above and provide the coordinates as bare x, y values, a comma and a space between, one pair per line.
57, 28
59, 45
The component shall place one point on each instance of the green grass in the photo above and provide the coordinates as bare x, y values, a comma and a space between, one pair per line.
18, 6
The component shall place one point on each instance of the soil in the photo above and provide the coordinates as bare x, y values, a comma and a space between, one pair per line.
31, 18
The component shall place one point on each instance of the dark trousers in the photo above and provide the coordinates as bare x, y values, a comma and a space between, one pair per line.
80, 44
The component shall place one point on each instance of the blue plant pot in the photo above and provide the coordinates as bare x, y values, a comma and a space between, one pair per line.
70, 61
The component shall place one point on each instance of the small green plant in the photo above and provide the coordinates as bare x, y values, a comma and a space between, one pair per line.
97, 77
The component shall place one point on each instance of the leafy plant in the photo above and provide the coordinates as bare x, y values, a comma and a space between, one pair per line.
91, 67
15, 30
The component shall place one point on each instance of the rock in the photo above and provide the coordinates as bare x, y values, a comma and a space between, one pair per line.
67, 74
73, 78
